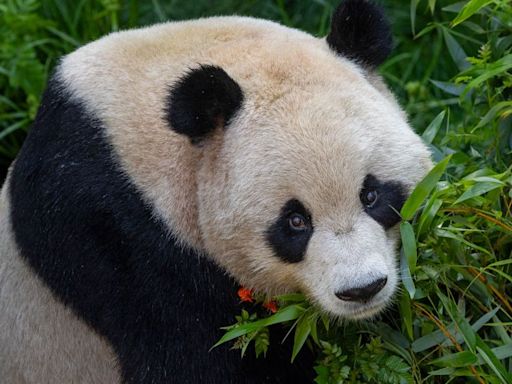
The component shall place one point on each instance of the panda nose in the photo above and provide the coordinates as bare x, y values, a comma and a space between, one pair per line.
363, 294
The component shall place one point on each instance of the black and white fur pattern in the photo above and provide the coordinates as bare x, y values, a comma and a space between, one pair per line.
163, 170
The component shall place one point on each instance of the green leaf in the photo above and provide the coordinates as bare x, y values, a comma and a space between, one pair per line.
460, 239
469, 10
459, 359
246, 340
291, 298
430, 133
450, 88
399, 367
412, 15
430, 340
428, 214
314, 330
494, 69
423, 189
456, 51
432, 5
502, 352
406, 313
492, 113
14, 127
326, 321
479, 189
322, 373
425, 30
261, 342
409, 245
458, 318
492, 361
405, 274
449, 371
302, 332
289, 313
439, 338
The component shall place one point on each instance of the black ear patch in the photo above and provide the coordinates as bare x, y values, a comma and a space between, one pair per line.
360, 31
204, 99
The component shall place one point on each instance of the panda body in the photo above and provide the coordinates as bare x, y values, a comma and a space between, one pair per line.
161, 173
42, 341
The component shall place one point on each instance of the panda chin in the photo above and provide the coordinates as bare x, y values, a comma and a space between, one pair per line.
365, 311
354, 311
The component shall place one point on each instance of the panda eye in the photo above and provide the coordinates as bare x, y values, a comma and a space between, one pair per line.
382, 200
297, 222
289, 234
369, 197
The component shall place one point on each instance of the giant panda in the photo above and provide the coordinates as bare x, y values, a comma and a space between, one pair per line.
169, 165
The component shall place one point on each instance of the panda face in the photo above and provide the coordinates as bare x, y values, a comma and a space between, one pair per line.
303, 193
281, 156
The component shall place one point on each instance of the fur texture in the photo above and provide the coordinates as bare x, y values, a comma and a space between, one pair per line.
360, 31
204, 99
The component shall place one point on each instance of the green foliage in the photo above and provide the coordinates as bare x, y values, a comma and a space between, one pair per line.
452, 72
34, 34
372, 365
260, 336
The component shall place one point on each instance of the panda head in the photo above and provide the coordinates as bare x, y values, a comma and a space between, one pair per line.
305, 164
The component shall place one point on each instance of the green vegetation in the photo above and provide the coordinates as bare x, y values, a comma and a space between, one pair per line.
452, 72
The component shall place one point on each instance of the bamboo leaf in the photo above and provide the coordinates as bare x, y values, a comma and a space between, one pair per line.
423, 189
469, 10
302, 332
456, 51
406, 313
459, 359
479, 189
460, 321
430, 133
492, 361
494, 69
409, 245
405, 274
289, 313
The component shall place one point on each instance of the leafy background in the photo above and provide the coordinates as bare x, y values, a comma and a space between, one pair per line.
452, 72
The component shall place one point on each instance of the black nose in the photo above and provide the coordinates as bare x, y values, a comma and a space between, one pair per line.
363, 294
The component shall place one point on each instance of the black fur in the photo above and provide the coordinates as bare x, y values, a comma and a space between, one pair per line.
288, 244
204, 99
391, 198
360, 31
85, 230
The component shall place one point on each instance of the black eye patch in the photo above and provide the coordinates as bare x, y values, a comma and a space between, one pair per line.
388, 197
288, 241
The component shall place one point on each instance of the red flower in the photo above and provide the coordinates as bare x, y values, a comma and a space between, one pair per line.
271, 306
245, 295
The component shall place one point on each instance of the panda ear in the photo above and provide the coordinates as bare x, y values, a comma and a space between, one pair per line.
360, 31
204, 99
